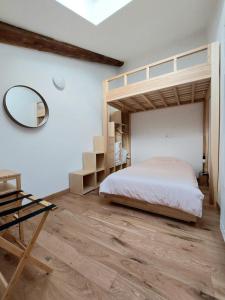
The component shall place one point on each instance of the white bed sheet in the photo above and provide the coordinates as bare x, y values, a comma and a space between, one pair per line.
165, 181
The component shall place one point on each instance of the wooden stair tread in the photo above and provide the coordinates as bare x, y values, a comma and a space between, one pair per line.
83, 172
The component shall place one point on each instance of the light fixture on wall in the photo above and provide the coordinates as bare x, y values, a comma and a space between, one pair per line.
59, 83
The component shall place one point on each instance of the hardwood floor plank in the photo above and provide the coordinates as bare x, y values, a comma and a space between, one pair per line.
89, 268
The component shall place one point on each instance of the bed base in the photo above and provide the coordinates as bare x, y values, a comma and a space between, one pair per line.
153, 208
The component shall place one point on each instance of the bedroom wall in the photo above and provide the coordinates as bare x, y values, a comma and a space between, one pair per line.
46, 155
176, 132
165, 51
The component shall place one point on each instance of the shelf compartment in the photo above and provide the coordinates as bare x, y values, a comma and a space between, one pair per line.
94, 161
100, 176
118, 167
111, 170
116, 117
82, 182
99, 144
100, 161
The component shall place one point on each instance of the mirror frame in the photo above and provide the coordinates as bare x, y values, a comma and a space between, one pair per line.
17, 122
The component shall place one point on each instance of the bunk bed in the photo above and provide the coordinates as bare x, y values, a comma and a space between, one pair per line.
186, 78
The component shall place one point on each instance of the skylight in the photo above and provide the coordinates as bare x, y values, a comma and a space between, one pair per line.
95, 11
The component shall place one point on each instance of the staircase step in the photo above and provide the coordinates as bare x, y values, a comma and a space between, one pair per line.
98, 144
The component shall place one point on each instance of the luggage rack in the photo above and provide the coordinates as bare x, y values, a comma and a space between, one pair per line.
13, 212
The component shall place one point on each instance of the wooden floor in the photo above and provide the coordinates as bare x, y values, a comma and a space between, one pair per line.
104, 251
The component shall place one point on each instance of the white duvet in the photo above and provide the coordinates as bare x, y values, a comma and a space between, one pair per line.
165, 181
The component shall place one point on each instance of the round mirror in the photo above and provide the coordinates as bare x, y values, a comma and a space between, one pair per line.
25, 106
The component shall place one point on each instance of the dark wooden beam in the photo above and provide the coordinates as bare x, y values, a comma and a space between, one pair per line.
16, 36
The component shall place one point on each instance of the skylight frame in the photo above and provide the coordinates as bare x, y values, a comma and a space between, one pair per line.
94, 11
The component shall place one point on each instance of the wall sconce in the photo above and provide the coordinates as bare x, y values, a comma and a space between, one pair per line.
59, 83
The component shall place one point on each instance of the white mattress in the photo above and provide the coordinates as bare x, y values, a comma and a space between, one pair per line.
161, 180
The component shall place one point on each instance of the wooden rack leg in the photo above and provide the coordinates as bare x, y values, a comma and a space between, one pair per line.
24, 258
3, 282
18, 252
21, 228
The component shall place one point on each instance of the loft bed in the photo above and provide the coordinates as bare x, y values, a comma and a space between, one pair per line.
185, 78
177, 86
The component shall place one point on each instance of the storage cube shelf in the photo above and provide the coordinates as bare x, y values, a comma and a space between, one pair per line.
100, 161
88, 182
93, 172
118, 167
100, 175
116, 117
111, 170
93, 161
98, 143
118, 134
82, 182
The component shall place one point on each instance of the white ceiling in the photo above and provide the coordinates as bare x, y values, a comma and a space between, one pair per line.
139, 27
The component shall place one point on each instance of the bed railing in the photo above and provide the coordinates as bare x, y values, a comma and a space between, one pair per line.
122, 80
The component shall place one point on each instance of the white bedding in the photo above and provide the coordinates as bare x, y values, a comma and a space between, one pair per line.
161, 180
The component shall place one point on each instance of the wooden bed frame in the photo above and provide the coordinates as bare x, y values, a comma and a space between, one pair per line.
179, 86
153, 208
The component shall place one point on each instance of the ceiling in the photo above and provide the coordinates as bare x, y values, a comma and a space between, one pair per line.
140, 26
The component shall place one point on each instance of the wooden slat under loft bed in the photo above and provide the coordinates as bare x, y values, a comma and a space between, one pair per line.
192, 92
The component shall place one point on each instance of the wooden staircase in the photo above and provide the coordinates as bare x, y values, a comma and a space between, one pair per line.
93, 172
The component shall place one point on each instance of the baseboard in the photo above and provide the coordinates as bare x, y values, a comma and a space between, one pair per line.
222, 228
57, 194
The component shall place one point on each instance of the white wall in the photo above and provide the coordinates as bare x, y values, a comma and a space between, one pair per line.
175, 47
217, 33
175, 131
46, 155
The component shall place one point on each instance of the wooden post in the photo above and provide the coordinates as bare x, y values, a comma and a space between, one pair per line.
214, 123
206, 130
147, 73
105, 123
125, 79
21, 229
175, 64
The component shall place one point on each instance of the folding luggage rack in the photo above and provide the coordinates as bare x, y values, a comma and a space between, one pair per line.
14, 212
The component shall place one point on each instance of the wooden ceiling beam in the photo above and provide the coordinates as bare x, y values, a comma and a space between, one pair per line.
176, 95
162, 99
16, 36
149, 101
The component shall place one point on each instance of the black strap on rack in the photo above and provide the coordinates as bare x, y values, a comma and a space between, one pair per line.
15, 199
26, 217
16, 209
10, 194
